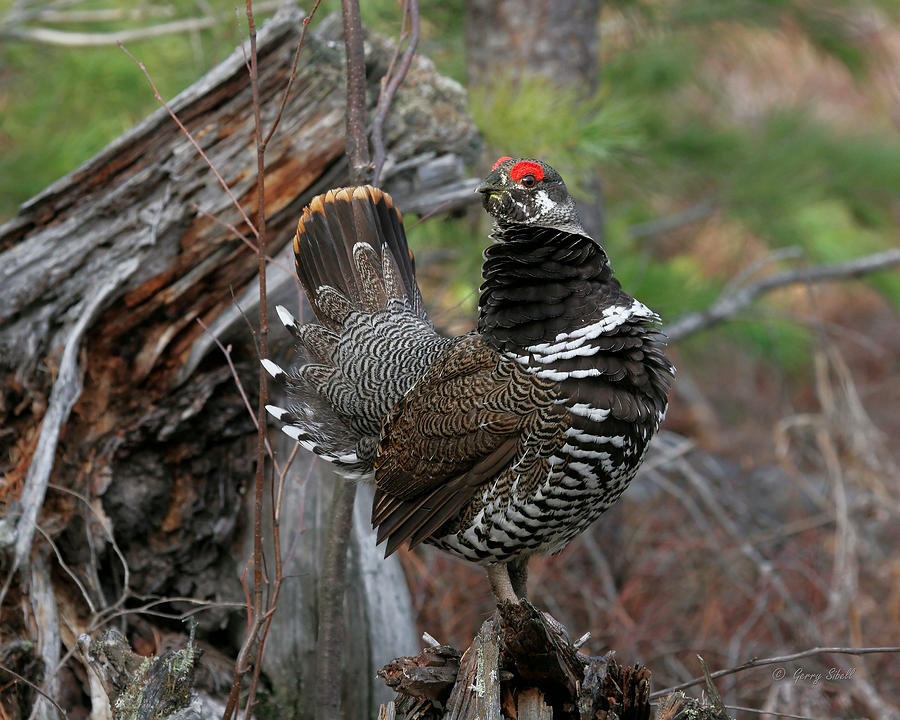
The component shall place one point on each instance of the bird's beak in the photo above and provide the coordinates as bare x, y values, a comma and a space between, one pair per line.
489, 186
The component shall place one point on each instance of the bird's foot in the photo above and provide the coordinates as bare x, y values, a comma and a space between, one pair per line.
498, 574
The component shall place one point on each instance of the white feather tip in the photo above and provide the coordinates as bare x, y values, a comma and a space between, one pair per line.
285, 316
275, 411
272, 368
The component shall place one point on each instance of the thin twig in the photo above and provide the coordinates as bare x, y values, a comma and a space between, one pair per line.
67, 570
66, 38
262, 437
287, 90
761, 662
276, 506
4, 668
190, 137
247, 241
428, 215
228, 226
731, 303
226, 351
95, 16
390, 84
94, 39
146, 610
658, 226
769, 712
103, 522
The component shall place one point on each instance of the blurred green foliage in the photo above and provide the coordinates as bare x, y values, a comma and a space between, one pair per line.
659, 134
664, 139
60, 105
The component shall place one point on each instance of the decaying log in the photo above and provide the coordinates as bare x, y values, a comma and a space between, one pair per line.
141, 687
430, 675
476, 693
522, 665
678, 706
125, 442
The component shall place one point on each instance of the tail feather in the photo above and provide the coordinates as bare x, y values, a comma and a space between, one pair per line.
345, 240
368, 267
374, 340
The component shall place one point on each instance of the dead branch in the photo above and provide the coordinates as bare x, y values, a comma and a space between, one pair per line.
68, 38
331, 646
193, 142
761, 662
13, 25
357, 142
390, 82
658, 226
731, 303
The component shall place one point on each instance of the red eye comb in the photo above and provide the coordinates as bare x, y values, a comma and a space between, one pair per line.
500, 160
526, 167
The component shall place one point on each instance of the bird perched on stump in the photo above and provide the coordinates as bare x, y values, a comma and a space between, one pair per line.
497, 445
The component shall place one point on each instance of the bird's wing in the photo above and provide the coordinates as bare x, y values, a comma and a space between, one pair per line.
463, 422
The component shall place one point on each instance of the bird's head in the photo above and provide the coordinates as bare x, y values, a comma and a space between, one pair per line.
527, 192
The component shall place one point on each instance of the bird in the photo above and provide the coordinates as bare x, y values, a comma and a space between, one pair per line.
496, 445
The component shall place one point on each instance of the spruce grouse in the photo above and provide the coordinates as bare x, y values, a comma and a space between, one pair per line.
499, 444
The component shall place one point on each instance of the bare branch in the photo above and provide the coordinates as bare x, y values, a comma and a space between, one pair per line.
98, 15
226, 351
731, 303
68, 38
4, 669
68, 571
658, 226
287, 90
243, 238
357, 141
104, 523
761, 662
769, 712
263, 344
390, 84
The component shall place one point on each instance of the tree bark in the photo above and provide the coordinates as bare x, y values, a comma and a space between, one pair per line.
521, 664
125, 442
558, 40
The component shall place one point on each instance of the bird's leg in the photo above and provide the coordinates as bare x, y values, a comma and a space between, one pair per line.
498, 574
518, 576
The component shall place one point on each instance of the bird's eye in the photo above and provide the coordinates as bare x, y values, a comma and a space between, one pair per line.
528, 180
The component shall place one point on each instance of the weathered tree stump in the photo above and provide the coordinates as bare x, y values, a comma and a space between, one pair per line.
521, 665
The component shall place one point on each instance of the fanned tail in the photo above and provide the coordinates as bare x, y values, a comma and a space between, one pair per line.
350, 243
374, 338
